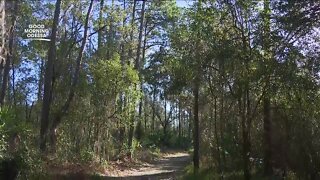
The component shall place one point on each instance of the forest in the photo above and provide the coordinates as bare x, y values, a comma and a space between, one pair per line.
160, 89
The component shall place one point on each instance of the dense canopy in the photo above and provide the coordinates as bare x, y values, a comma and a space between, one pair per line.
234, 83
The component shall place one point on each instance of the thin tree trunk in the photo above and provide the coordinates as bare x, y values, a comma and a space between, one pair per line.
130, 135
179, 119
131, 124
145, 114
245, 153
216, 135
183, 120
153, 108
13, 83
165, 110
143, 60
222, 127
266, 101
100, 25
48, 79
196, 126
9, 54
190, 123
110, 37
40, 82
243, 109
267, 138
132, 29
122, 94
137, 63
3, 37
65, 107
139, 123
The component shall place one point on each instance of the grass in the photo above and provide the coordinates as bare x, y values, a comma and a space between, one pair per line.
211, 174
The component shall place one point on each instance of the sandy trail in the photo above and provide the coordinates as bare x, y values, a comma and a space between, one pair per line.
169, 166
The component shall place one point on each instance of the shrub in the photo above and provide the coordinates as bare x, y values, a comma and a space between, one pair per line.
17, 143
170, 140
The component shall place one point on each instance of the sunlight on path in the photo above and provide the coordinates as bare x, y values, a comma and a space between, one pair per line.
168, 166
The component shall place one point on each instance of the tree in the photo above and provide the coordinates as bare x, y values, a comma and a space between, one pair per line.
131, 123
47, 95
9, 54
74, 83
266, 101
3, 33
237, 81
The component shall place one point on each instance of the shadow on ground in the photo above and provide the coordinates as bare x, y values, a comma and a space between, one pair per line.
167, 168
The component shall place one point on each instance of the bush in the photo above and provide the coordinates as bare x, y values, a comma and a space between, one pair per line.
3, 144
17, 144
169, 140
153, 140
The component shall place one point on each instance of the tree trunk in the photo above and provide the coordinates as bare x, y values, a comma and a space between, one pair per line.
137, 63
266, 101
153, 108
267, 137
110, 35
9, 53
48, 79
65, 107
100, 25
145, 114
190, 123
131, 124
130, 133
14, 99
40, 82
243, 110
165, 108
196, 126
139, 130
179, 119
216, 135
122, 105
130, 53
222, 127
143, 61
245, 152
3, 37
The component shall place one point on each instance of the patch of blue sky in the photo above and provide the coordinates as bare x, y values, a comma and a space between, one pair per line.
29, 64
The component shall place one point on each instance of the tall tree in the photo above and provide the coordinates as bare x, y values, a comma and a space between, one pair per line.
266, 100
196, 139
75, 79
13, 12
131, 123
2, 34
47, 92
138, 68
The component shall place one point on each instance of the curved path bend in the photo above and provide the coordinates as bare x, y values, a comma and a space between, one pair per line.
168, 167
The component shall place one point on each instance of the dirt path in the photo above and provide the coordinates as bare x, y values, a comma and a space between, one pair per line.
168, 167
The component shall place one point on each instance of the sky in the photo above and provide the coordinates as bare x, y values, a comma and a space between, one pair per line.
183, 3
34, 71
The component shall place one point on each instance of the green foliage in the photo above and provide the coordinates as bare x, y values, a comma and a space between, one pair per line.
240, 53
23, 149
3, 144
205, 174
9, 127
110, 77
168, 140
9, 122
